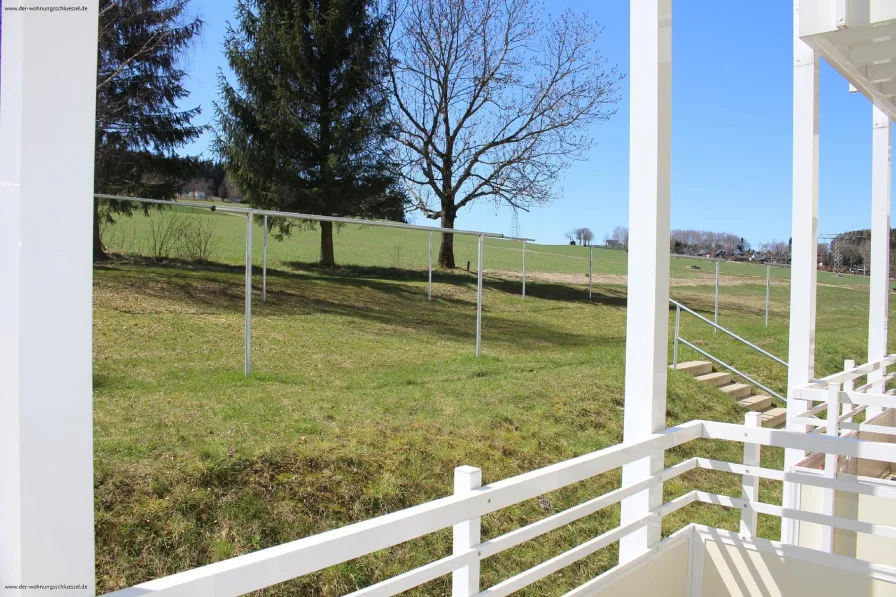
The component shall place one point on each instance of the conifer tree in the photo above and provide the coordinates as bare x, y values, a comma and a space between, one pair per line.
140, 80
304, 127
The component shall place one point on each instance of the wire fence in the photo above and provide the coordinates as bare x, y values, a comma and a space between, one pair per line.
221, 233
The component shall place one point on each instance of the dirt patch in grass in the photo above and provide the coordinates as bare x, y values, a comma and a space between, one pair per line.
620, 280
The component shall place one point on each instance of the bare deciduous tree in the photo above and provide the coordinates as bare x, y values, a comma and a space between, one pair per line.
775, 249
584, 236
619, 236
491, 100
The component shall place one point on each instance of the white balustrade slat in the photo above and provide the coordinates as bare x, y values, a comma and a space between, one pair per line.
524, 579
781, 438
418, 576
802, 515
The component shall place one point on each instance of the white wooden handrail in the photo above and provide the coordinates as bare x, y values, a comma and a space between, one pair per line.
260, 569
254, 571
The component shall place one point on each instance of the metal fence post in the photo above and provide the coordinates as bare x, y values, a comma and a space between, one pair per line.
248, 314
430, 266
675, 339
466, 535
264, 266
524, 270
750, 493
590, 269
768, 282
714, 331
479, 302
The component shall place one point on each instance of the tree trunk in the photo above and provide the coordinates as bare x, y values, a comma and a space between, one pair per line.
99, 251
327, 259
446, 249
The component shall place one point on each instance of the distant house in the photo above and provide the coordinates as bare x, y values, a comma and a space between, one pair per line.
613, 244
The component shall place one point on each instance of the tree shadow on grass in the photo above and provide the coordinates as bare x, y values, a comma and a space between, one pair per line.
461, 278
366, 294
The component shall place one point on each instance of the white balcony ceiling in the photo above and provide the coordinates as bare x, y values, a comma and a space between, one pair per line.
858, 38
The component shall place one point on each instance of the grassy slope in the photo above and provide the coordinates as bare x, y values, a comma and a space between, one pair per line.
364, 398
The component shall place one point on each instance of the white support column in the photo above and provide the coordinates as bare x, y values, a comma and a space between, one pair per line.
524, 270
804, 269
47, 131
647, 325
880, 249
465, 581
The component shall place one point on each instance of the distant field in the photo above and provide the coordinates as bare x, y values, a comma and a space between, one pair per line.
407, 249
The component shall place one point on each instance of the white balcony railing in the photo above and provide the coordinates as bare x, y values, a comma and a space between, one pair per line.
463, 510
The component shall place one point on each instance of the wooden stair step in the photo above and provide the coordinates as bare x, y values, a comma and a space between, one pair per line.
756, 402
774, 417
737, 390
716, 378
694, 367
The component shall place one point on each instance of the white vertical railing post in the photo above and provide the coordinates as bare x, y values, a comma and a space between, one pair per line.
429, 291
804, 269
590, 269
750, 492
465, 535
247, 359
880, 251
830, 466
716, 311
479, 301
47, 132
264, 264
524, 270
848, 386
647, 323
768, 288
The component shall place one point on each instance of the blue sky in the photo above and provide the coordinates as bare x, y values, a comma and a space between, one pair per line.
731, 128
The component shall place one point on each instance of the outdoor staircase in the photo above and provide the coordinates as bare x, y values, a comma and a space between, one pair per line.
743, 393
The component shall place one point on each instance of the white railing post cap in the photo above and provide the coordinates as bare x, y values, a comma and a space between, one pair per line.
467, 477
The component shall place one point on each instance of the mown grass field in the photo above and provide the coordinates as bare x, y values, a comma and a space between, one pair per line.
365, 396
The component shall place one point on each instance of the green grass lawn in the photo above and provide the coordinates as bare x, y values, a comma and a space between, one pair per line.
365, 396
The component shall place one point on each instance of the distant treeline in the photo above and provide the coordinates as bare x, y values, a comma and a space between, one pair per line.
695, 242
852, 250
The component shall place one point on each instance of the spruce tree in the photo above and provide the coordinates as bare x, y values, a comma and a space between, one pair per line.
139, 125
304, 128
